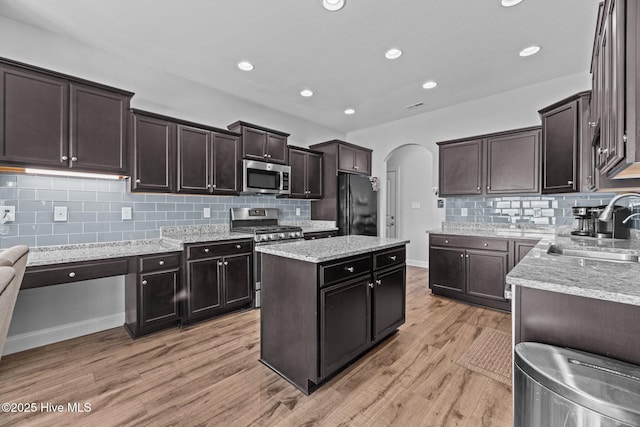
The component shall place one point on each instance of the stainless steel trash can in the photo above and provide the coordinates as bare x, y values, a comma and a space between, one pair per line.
556, 386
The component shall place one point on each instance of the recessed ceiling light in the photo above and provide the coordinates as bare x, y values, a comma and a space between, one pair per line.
393, 53
349, 111
306, 93
429, 85
333, 5
245, 66
509, 3
531, 50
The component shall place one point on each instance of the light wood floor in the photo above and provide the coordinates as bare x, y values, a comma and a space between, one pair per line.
209, 374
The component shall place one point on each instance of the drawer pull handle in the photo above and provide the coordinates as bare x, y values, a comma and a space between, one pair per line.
378, 282
161, 262
238, 246
350, 269
72, 274
313, 238
486, 244
206, 250
144, 282
393, 258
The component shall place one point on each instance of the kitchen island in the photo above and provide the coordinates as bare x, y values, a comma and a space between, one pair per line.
326, 302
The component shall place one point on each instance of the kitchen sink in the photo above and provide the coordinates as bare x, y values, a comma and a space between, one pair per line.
595, 255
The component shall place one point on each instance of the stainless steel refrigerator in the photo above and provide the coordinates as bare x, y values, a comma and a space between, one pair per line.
357, 205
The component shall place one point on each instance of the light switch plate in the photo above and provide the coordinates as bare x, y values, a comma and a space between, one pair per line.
127, 213
60, 213
8, 213
207, 213
415, 205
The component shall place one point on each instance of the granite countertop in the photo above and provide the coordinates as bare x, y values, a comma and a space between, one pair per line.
179, 238
506, 231
47, 255
313, 226
322, 250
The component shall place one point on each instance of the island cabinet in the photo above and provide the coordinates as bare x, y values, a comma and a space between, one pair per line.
306, 173
260, 143
325, 324
470, 269
501, 163
52, 120
219, 278
152, 293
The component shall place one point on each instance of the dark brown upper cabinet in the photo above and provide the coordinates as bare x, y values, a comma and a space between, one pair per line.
354, 159
259, 143
500, 163
306, 173
57, 121
154, 146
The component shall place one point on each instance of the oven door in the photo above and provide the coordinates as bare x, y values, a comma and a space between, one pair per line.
257, 267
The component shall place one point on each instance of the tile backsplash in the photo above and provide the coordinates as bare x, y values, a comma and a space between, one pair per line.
94, 210
548, 210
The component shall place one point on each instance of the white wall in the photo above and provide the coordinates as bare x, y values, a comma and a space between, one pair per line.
503, 111
413, 164
51, 314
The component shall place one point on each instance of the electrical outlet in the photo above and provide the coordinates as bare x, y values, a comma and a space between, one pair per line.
464, 212
127, 213
297, 211
207, 213
440, 203
60, 213
8, 213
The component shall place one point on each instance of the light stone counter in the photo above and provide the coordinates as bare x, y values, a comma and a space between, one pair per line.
322, 250
48, 255
313, 226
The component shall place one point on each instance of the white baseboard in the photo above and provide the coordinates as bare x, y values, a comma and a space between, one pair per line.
417, 263
46, 336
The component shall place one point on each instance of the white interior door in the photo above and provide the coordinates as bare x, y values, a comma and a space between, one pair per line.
392, 202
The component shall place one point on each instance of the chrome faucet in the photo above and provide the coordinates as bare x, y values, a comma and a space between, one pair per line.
607, 213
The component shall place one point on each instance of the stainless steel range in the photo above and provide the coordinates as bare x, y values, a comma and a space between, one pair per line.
263, 224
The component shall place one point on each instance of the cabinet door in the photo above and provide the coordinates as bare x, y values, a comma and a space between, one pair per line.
297, 161
486, 273
204, 286
513, 163
446, 269
226, 164
98, 129
521, 249
388, 302
345, 314
34, 118
314, 175
604, 68
362, 162
346, 158
238, 280
276, 148
158, 293
194, 159
560, 149
153, 154
254, 143
461, 168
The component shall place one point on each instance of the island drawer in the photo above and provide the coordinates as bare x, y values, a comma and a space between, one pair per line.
469, 242
35, 277
389, 257
207, 250
159, 262
344, 269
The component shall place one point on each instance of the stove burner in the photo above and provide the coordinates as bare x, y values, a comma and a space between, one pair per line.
264, 229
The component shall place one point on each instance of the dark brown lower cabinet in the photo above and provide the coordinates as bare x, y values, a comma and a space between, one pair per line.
152, 294
486, 274
320, 235
219, 278
311, 329
446, 269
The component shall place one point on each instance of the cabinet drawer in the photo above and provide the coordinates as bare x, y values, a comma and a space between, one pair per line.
320, 235
388, 258
344, 270
74, 272
207, 250
469, 242
159, 262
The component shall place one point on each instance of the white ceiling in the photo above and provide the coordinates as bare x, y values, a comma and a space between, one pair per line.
470, 47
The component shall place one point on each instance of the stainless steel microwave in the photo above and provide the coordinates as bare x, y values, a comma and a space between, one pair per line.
265, 178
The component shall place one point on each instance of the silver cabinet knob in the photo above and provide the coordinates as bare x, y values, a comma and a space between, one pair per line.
65, 158
206, 250
356, 167
488, 187
238, 246
603, 150
592, 124
144, 282
213, 186
393, 258
219, 263
371, 285
378, 282
72, 274
208, 185
461, 255
446, 241
161, 262
478, 188
569, 182
74, 159
313, 238
226, 263
350, 269
486, 244
467, 255
138, 181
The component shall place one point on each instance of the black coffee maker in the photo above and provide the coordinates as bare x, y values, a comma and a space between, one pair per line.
613, 229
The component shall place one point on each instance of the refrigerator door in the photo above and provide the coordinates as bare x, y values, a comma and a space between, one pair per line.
358, 210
